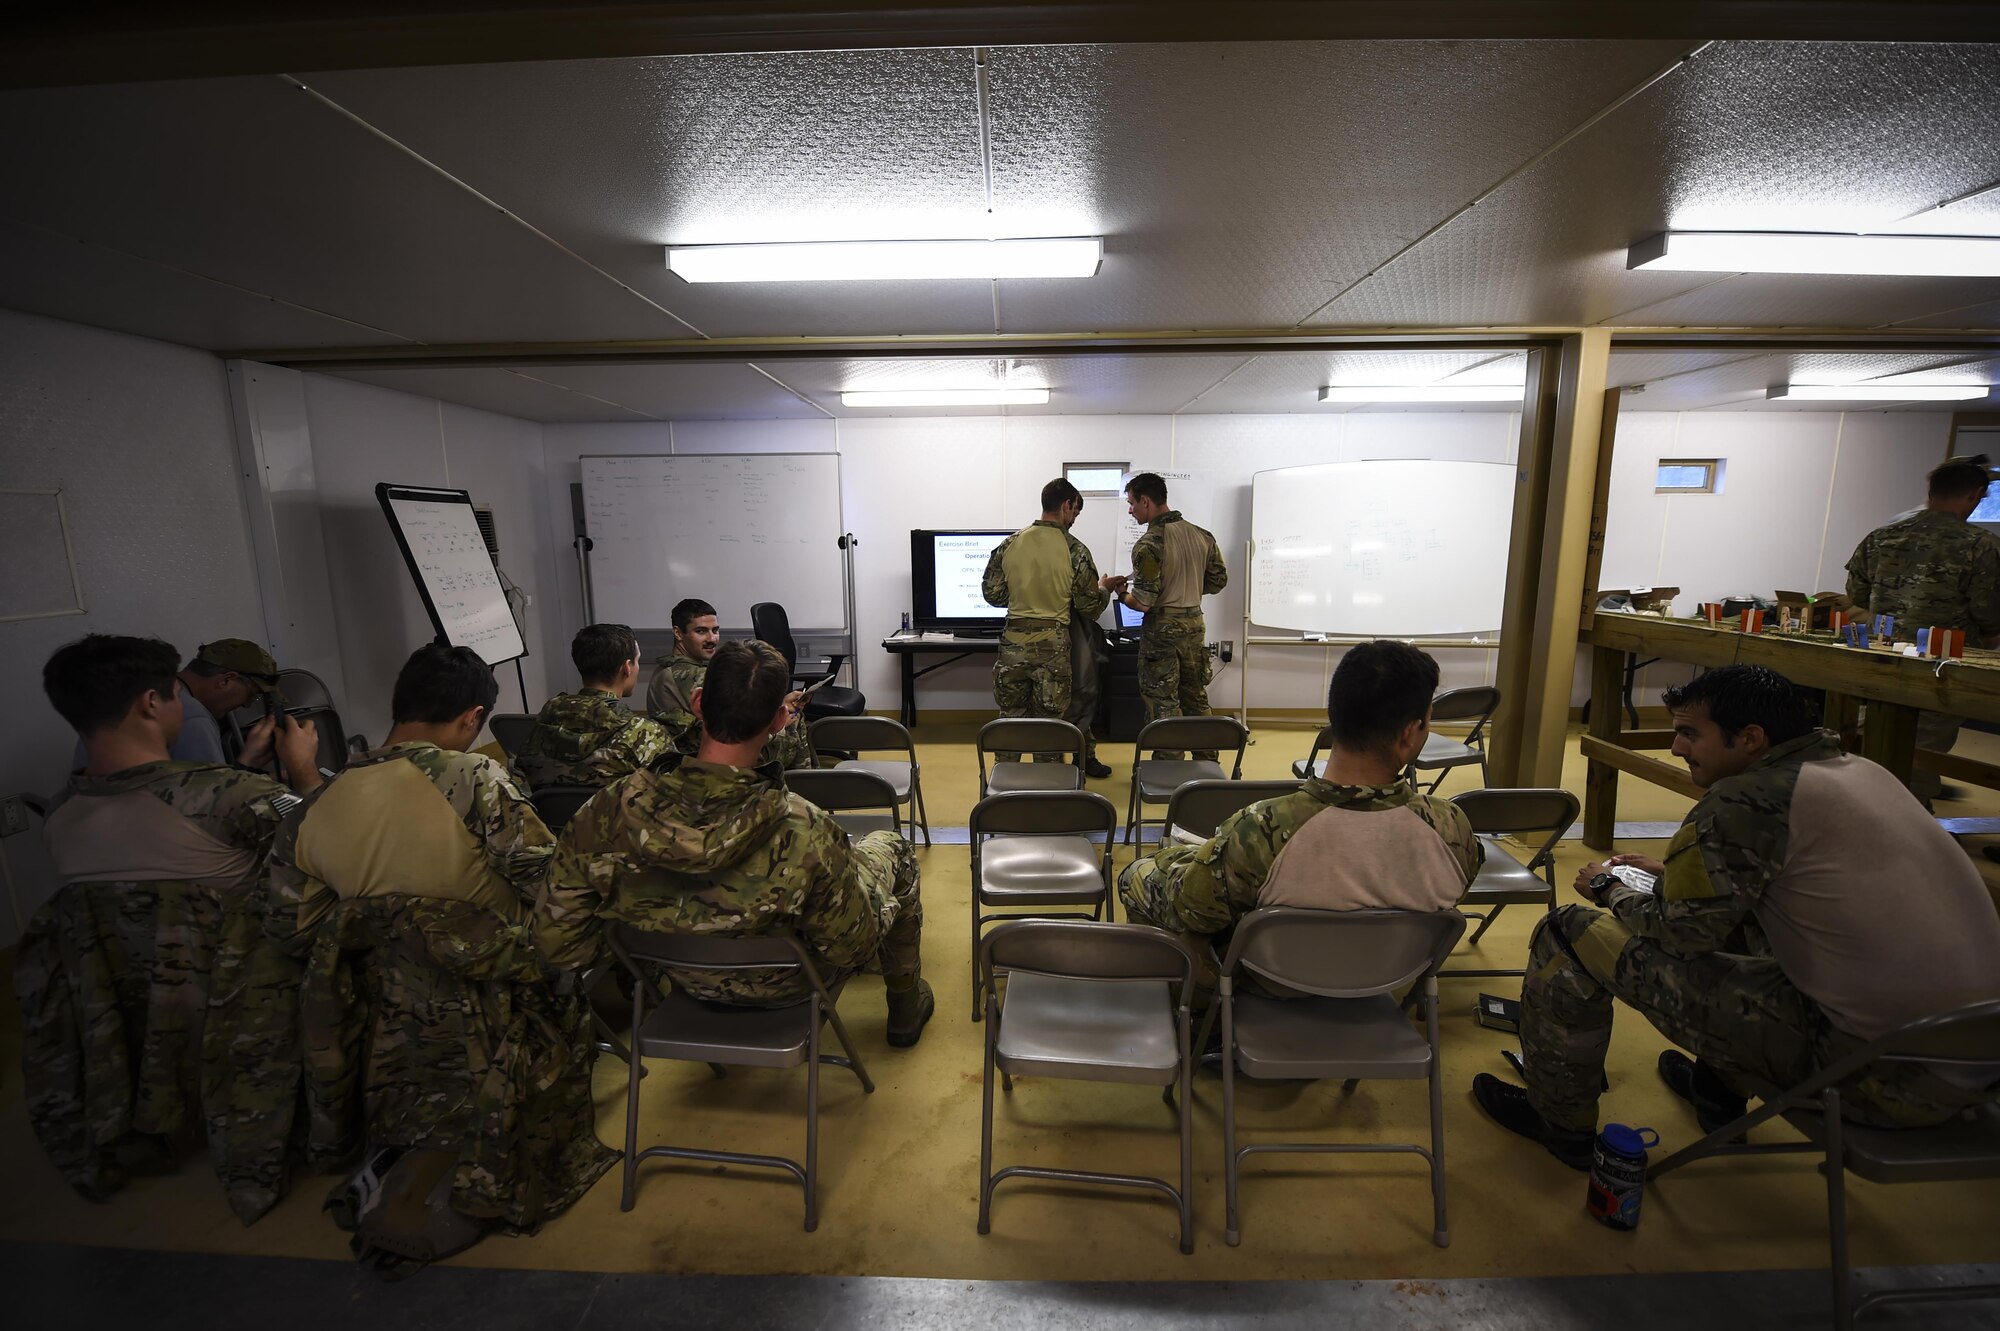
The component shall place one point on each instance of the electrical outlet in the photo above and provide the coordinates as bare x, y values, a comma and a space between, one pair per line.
13, 816
1228, 651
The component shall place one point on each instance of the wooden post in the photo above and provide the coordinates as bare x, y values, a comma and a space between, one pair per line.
1607, 720
1890, 737
1842, 715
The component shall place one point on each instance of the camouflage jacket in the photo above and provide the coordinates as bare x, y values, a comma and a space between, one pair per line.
1206, 888
512, 838
1723, 856
1149, 562
588, 738
670, 701
1929, 570
1083, 597
434, 1024
708, 849
153, 1008
236, 807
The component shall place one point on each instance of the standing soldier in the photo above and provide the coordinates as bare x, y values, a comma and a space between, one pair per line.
1933, 569
1044, 576
1174, 565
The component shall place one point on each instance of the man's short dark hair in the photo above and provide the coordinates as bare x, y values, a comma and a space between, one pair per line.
1059, 492
94, 681
439, 684
688, 611
1955, 480
601, 650
1148, 485
1377, 690
742, 690
1742, 695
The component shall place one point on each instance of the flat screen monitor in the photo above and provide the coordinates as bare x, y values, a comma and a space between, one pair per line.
1126, 617
945, 569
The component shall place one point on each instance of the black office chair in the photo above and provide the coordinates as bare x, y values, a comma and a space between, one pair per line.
771, 624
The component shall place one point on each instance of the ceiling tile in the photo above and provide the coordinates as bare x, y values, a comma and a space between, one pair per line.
1750, 135
254, 182
1674, 381
1152, 384
1291, 382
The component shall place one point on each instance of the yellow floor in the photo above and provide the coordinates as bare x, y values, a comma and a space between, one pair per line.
899, 1168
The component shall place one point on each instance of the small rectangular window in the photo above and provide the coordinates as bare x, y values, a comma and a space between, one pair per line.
1691, 476
1095, 478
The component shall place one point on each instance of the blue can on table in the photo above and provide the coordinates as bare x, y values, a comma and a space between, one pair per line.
1618, 1174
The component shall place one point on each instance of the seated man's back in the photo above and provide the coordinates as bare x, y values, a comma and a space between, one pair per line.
189, 822
588, 738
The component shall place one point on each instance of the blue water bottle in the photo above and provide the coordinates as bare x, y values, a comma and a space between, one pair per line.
1618, 1174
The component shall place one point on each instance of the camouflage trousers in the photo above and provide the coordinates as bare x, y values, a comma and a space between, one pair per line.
1737, 1014
1174, 669
1032, 676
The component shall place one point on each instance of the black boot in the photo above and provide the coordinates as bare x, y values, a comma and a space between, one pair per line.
1715, 1105
1507, 1105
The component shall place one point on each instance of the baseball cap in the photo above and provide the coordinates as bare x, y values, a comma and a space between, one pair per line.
246, 658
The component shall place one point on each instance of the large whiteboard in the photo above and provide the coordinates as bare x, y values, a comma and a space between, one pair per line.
730, 528
447, 556
1388, 548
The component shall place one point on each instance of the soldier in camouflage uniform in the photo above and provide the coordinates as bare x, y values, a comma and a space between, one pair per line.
1766, 946
1174, 565
670, 694
590, 738
1044, 577
713, 845
1360, 838
153, 1009
1933, 569
407, 884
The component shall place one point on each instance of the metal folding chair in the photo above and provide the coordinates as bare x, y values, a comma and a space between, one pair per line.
1503, 880
1154, 780
1352, 1027
1030, 735
1312, 764
510, 730
1964, 1043
682, 1027
865, 734
1440, 753
1089, 1002
849, 795
1032, 850
1199, 808
558, 804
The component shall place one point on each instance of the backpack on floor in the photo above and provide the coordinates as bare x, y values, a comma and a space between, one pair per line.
398, 1206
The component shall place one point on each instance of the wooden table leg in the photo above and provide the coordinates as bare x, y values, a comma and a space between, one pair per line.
1600, 786
1842, 715
1890, 737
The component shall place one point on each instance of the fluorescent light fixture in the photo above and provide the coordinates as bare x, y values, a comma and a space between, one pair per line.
1877, 392
947, 397
1423, 393
1817, 252
879, 260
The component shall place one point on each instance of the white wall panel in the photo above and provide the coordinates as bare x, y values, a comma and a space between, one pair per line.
499, 459
137, 435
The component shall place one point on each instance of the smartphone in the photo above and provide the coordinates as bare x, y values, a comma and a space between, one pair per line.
273, 706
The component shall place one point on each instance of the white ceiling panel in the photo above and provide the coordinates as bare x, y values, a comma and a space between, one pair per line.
1078, 385
620, 158
254, 182
1674, 381
66, 279
1291, 382
1754, 135
1763, 300
509, 392
1243, 185
602, 392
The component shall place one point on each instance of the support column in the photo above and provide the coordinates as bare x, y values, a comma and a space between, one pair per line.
1561, 428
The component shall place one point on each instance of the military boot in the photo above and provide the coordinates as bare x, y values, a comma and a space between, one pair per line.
909, 1009
1715, 1105
1507, 1105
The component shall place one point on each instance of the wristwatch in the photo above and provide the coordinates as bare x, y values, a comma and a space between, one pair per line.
1601, 884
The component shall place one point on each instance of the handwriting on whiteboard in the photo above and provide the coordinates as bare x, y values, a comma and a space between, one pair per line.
451, 560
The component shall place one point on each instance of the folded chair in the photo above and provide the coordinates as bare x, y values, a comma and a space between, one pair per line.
1088, 1002
1154, 780
682, 1027
1962, 1045
1351, 962
1032, 850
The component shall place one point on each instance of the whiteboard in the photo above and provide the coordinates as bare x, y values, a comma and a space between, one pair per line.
730, 528
447, 557
1386, 548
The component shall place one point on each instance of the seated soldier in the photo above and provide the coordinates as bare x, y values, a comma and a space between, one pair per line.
590, 738
670, 694
164, 865
418, 816
1772, 943
431, 1020
1359, 838
715, 844
220, 677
